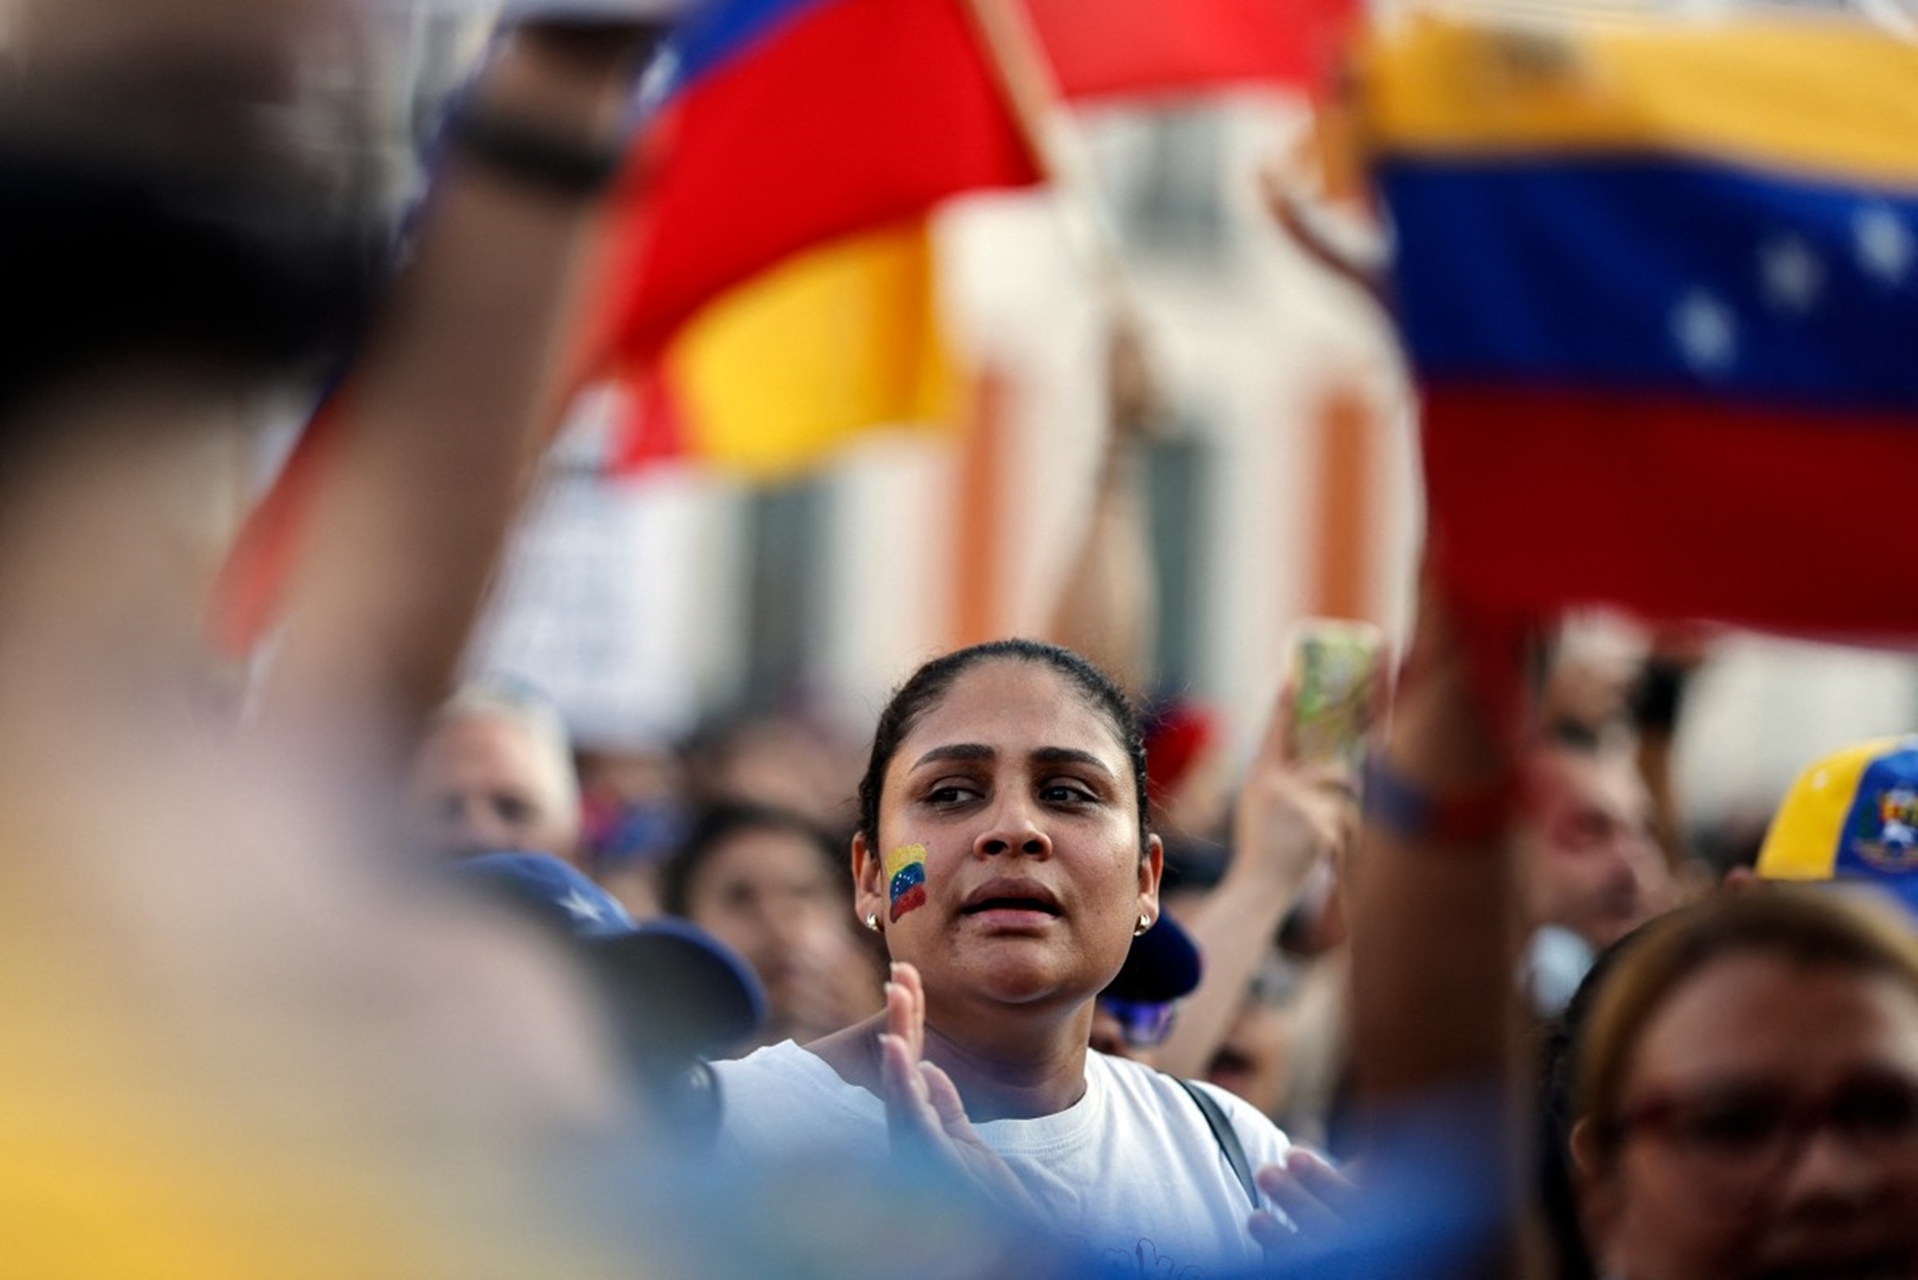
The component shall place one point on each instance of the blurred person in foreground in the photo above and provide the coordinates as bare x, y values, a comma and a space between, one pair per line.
772, 885
240, 1042
494, 773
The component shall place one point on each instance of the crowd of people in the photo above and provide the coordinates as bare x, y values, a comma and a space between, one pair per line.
361, 976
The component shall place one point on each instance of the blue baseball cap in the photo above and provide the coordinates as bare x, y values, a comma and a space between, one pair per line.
678, 992
1162, 966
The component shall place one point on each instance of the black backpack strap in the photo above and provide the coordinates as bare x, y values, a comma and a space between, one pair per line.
1226, 1135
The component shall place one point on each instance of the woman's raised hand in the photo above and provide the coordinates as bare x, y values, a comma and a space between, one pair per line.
924, 1113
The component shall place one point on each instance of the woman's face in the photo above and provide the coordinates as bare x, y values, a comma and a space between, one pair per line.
1770, 1120
769, 895
1009, 867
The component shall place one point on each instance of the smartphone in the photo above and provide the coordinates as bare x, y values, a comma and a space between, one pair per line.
1333, 667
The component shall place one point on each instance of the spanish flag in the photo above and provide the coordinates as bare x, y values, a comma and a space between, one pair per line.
1659, 285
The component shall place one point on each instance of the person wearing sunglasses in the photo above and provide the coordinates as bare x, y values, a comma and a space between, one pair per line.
1135, 1012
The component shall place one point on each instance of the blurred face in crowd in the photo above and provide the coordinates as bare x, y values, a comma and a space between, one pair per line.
1767, 1129
769, 894
1009, 865
786, 766
1253, 1059
1590, 861
484, 783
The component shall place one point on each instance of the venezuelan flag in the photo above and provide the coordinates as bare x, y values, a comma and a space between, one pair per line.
1659, 286
773, 274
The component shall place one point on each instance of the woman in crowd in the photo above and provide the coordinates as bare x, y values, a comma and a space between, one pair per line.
1003, 853
1747, 1094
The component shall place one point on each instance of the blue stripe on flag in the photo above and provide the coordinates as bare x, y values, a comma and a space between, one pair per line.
1666, 275
719, 30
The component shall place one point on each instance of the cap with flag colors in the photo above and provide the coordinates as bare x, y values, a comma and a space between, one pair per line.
1658, 284
1852, 816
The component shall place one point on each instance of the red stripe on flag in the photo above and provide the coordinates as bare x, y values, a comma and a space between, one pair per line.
1675, 508
1157, 46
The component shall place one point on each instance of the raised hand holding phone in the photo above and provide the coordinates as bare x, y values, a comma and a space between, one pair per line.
1292, 816
1333, 678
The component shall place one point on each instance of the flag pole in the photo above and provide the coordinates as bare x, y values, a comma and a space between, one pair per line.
1058, 149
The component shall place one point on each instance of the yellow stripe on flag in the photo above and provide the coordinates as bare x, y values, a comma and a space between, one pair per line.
1822, 95
782, 370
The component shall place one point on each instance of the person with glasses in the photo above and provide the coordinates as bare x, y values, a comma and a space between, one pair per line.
1746, 1094
1745, 1069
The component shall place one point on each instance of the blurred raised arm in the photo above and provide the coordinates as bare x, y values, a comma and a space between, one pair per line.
1108, 603
458, 383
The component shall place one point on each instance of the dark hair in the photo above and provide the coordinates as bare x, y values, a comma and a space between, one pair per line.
240, 270
1806, 927
719, 824
929, 684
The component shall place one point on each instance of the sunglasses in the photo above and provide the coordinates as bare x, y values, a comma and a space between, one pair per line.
1142, 1023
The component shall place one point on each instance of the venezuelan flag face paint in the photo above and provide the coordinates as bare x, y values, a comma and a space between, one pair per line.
906, 878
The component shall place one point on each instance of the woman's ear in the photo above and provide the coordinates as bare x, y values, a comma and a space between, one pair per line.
868, 881
1595, 1187
1151, 867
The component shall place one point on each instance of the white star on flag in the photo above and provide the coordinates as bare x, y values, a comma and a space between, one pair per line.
658, 81
1706, 332
1792, 273
581, 907
1884, 243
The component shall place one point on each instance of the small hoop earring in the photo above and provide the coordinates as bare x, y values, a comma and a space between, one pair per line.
1145, 922
872, 921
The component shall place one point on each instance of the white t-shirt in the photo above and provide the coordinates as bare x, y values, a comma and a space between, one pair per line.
1130, 1172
